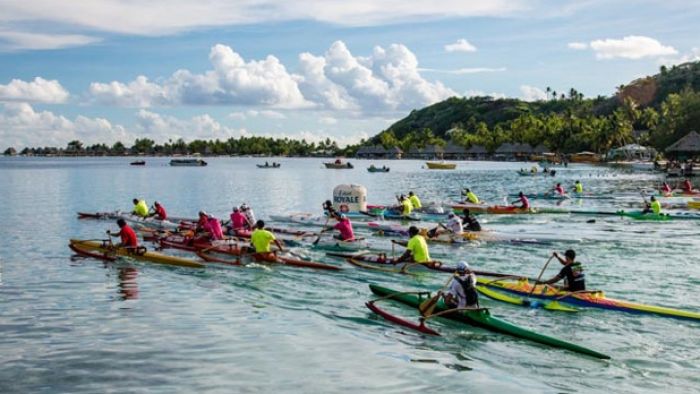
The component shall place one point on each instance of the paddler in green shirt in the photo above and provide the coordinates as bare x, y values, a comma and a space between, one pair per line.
471, 197
262, 239
416, 249
415, 201
578, 187
652, 206
140, 208
406, 206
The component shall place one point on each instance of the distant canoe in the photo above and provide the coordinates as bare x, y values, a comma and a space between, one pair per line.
188, 163
339, 166
274, 165
377, 169
434, 165
138, 163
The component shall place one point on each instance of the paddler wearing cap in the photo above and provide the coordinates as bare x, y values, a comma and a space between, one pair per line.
344, 227
238, 220
452, 226
158, 211
249, 215
462, 292
416, 249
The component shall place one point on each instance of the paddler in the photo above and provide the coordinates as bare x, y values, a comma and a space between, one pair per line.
406, 207
559, 190
128, 236
453, 226
471, 197
261, 239
416, 249
212, 227
469, 222
666, 188
140, 208
462, 292
687, 186
238, 221
249, 215
159, 211
653, 206
575, 279
344, 227
415, 201
578, 187
525, 203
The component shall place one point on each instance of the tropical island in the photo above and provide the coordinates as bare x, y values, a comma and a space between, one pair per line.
654, 111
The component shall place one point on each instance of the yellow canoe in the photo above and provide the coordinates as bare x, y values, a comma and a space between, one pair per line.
106, 251
694, 204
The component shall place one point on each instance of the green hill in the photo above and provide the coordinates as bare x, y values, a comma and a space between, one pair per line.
655, 110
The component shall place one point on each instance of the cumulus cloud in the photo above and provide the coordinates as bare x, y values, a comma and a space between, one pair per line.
327, 120
232, 81
18, 40
39, 90
579, 46
531, 93
481, 93
21, 125
629, 47
691, 56
160, 17
243, 115
466, 70
460, 45
387, 80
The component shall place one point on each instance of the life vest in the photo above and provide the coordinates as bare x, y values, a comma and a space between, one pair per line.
575, 277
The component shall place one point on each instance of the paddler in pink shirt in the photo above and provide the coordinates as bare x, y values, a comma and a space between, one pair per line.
559, 190
344, 227
238, 220
213, 227
525, 203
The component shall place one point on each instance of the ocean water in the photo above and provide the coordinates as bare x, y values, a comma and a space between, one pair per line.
85, 326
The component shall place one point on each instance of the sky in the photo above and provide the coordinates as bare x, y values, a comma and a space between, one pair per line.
103, 71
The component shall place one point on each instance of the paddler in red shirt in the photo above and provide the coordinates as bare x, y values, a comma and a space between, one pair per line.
559, 190
238, 221
666, 188
159, 211
128, 236
344, 227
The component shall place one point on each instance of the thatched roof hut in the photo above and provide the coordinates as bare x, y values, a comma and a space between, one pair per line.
688, 146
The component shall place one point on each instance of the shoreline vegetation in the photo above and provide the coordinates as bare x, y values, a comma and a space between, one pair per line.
655, 111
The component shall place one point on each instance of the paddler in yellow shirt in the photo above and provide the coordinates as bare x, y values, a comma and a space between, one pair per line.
406, 206
578, 187
471, 197
415, 201
416, 249
652, 206
140, 208
261, 240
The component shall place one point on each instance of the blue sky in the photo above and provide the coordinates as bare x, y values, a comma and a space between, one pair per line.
108, 70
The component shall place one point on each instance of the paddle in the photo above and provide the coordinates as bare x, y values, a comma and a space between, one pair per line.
321, 232
527, 301
426, 307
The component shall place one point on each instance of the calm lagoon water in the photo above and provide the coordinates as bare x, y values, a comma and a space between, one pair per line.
85, 326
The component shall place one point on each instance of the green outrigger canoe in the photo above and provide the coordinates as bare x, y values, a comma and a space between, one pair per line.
482, 318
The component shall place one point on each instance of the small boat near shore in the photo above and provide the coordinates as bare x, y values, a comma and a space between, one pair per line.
138, 163
339, 165
372, 168
188, 163
440, 165
268, 165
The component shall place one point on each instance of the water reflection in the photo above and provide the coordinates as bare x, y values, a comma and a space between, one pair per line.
127, 284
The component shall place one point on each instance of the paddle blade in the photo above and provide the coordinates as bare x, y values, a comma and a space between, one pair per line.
556, 306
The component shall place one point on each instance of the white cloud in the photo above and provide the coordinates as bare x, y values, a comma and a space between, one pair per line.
233, 81
21, 125
460, 45
161, 17
531, 93
692, 56
387, 80
630, 47
243, 115
160, 127
17, 40
579, 46
39, 90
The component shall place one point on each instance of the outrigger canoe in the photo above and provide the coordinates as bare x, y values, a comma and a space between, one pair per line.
106, 251
590, 299
482, 318
277, 259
